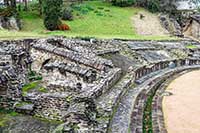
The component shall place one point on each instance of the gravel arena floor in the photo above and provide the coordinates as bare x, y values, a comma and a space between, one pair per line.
181, 110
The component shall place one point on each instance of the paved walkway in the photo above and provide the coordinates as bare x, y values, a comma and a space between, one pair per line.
181, 110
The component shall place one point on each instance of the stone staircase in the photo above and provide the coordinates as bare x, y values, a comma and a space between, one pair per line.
108, 102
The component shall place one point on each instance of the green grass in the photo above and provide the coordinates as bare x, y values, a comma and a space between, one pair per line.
30, 86
191, 46
91, 19
5, 116
42, 89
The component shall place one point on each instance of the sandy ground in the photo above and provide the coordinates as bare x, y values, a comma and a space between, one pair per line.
149, 25
182, 109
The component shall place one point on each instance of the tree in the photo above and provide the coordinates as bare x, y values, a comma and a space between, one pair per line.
10, 3
153, 5
25, 5
6, 2
123, 3
52, 13
40, 6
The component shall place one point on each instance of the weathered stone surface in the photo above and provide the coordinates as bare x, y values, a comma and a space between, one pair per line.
25, 108
89, 84
171, 25
10, 23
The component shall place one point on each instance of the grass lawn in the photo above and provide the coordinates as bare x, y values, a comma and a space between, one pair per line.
91, 19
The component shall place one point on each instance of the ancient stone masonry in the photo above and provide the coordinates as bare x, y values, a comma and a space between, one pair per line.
90, 85
9, 23
87, 58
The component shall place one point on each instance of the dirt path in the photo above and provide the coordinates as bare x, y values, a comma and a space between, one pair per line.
182, 109
149, 24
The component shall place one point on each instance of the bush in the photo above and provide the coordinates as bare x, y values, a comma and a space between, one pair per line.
123, 3
63, 27
153, 5
67, 14
52, 13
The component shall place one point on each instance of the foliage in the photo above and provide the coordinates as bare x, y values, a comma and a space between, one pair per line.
52, 12
67, 14
5, 115
147, 116
7, 12
30, 86
114, 23
141, 3
153, 5
63, 27
34, 76
34, 6
42, 89
82, 8
191, 46
123, 3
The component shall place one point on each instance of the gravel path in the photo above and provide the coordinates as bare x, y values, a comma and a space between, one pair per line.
149, 24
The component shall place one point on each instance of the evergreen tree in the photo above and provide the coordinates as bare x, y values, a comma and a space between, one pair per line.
52, 12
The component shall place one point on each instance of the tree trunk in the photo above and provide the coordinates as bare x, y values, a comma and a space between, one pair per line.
6, 2
25, 5
40, 4
13, 4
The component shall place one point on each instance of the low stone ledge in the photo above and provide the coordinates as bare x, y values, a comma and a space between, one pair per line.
107, 103
128, 104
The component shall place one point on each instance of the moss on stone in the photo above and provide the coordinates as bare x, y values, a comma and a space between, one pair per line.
33, 76
191, 46
29, 86
42, 89
69, 99
5, 116
47, 120
22, 104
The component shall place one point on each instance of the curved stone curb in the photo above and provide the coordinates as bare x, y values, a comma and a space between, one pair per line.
129, 115
157, 110
136, 124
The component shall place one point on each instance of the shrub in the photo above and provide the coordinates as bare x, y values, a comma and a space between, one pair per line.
67, 14
153, 5
52, 13
63, 27
123, 3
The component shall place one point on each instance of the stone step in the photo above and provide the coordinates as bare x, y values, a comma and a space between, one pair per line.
25, 108
93, 61
107, 102
146, 77
129, 113
88, 74
104, 84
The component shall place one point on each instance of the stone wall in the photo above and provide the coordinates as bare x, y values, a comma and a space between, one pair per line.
9, 23
83, 82
195, 29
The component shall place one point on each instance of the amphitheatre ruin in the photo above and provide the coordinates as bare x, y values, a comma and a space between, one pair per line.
91, 85
99, 66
